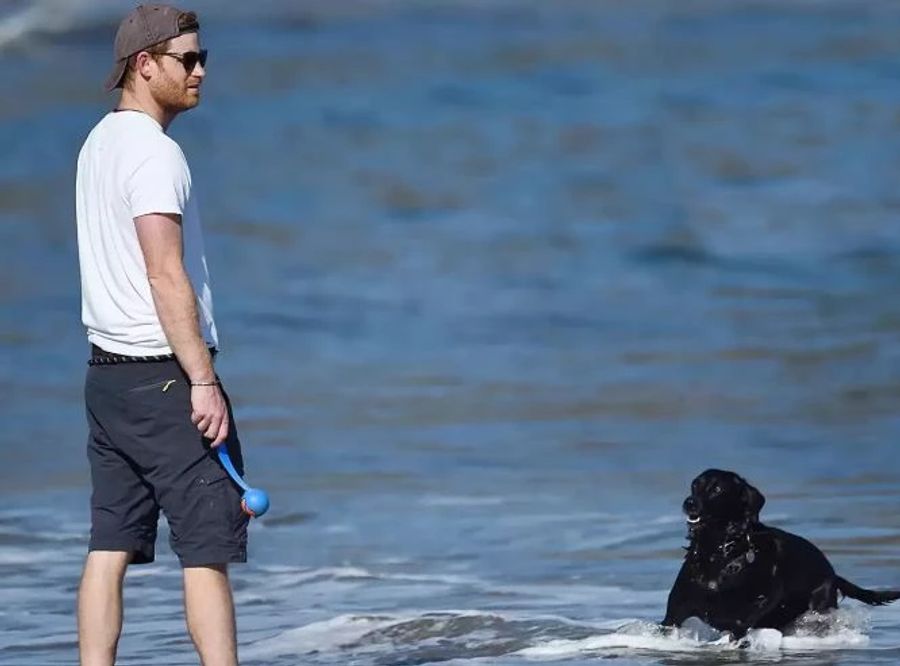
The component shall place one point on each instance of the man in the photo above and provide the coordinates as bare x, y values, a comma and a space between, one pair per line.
155, 408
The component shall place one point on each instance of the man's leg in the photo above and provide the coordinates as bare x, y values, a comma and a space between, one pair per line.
207, 527
100, 606
124, 515
209, 609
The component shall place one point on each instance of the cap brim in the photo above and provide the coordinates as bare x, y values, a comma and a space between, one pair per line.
114, 80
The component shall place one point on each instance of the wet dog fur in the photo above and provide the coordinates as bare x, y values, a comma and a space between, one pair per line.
739, 574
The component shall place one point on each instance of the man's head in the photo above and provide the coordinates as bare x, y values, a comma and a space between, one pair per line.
157, 48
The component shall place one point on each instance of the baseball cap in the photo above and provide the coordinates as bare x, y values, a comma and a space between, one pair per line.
146, 26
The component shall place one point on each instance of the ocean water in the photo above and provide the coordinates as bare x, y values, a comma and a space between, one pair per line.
494, 281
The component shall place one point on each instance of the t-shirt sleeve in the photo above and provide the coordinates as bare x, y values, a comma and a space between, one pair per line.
160, 184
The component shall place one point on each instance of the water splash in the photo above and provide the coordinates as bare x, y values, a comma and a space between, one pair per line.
469, 634
841, 629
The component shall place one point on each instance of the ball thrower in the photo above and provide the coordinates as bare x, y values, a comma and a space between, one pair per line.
255, 502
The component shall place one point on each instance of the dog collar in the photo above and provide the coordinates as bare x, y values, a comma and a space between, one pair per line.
735, 565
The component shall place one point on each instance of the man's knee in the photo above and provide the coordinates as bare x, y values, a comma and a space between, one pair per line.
206, 579
108, 562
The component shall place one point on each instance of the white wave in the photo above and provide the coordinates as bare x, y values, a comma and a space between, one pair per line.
461, 501
322, 636
434, 579
836, 641
346, 631
375, 633
22, 19
43, 16
838, 630
280, 576
846, 626
33, 17
635, 635
282, 579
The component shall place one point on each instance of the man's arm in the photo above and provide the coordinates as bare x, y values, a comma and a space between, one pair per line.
176, 306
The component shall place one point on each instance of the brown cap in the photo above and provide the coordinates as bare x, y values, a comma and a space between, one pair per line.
144, 27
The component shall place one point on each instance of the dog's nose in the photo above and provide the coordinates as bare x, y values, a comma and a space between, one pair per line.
691, 506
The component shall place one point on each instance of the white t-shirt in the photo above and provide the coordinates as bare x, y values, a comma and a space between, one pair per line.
128, 167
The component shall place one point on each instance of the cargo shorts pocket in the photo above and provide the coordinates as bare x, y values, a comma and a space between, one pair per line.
159, 406
209, 526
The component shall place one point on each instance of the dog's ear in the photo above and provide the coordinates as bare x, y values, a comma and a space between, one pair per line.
753, 501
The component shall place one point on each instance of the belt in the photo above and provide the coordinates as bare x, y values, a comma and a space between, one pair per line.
103, 357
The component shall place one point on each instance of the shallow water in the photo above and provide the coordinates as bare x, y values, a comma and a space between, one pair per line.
493, 282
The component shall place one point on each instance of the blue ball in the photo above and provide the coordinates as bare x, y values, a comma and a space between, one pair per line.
256, 501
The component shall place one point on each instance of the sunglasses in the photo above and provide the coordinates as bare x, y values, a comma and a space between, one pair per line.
189, 59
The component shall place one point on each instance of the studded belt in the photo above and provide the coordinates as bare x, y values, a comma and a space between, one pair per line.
103, 357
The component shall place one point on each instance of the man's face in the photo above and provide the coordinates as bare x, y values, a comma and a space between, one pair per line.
174, 87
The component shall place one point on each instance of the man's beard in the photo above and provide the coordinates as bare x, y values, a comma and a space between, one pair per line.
174, 98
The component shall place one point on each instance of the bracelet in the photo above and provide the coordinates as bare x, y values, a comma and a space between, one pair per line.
212, 383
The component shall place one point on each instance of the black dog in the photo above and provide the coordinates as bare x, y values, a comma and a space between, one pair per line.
740, 574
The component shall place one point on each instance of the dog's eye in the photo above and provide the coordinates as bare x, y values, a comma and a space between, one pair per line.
716, 490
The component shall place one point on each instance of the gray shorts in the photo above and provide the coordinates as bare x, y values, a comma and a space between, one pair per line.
145, 455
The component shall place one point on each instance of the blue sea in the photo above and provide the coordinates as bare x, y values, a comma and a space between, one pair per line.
494, 281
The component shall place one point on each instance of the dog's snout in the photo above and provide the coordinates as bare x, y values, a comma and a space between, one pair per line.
691, 506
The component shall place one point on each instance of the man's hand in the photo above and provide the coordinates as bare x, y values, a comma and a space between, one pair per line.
210, 413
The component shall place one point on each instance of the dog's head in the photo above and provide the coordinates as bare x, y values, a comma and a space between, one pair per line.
719, 497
